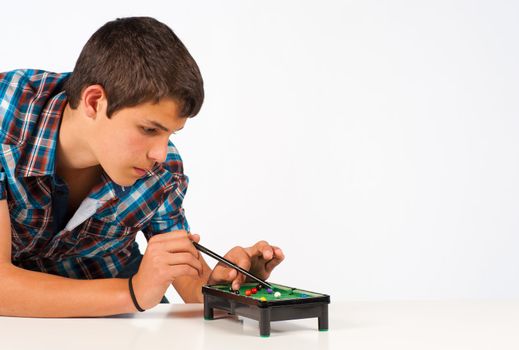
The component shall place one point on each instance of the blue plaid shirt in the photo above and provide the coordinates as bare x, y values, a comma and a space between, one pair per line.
98, 240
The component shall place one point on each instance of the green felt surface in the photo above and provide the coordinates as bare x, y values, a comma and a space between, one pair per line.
286, 293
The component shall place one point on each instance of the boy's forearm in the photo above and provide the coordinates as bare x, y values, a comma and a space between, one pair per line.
190, 289
35, 294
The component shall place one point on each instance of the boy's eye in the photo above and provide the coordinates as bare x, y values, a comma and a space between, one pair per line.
149, 130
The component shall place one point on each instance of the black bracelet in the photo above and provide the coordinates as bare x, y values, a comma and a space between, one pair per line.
132, 294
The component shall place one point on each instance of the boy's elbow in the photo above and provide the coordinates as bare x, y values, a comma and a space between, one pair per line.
6, 268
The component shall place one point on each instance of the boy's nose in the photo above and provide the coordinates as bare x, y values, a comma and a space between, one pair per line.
158, 153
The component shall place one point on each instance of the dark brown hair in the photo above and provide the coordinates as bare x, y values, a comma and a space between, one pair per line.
137, 60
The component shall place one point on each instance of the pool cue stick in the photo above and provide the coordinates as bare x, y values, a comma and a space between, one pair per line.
230, 264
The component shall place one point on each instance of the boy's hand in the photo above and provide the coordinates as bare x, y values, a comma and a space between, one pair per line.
167, 257
260, 260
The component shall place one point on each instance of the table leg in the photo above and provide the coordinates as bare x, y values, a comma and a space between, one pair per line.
208, 311
323, 319
264, 322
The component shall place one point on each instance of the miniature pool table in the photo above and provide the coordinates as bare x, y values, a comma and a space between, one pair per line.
265, 305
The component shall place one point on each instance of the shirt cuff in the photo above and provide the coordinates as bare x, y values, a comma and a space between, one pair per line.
3, 188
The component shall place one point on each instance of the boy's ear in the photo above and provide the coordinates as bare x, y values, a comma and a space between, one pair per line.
93, 100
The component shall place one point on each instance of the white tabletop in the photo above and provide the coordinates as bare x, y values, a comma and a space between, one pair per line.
353, 325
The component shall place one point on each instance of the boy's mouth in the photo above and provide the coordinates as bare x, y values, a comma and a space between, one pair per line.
141, 172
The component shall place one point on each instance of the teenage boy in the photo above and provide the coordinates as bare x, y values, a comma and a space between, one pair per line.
86, 163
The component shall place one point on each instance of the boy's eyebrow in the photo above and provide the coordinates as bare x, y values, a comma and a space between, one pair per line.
162, 127
158, 125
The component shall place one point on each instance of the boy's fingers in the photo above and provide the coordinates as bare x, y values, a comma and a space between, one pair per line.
235, 280
267, 254
220, 274
184, 259
194, 237
259, 249
278, 258
278, 254
266, 251
236, 284
238, 281
176, 246
272, 264
225, 273
244, 263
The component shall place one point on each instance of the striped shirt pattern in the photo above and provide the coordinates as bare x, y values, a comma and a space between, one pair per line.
98, 239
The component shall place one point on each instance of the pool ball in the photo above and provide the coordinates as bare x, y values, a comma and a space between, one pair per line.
254, 290
237, 291
277, 295
269, 290
248, 292
263, 299
259, 287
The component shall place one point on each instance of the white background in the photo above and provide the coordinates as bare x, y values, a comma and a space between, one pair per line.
376, 142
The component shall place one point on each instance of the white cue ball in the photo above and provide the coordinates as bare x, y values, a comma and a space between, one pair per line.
277, 295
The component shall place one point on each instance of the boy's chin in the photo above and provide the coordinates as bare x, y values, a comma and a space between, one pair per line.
125, 183
123, 180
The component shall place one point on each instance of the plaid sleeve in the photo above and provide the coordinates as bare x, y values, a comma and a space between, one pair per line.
6, 93
3, 193
170, 215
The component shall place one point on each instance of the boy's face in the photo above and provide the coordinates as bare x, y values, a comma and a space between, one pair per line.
130, 142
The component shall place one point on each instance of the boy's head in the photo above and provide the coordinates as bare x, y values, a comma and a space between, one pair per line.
133, 85
137, 60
